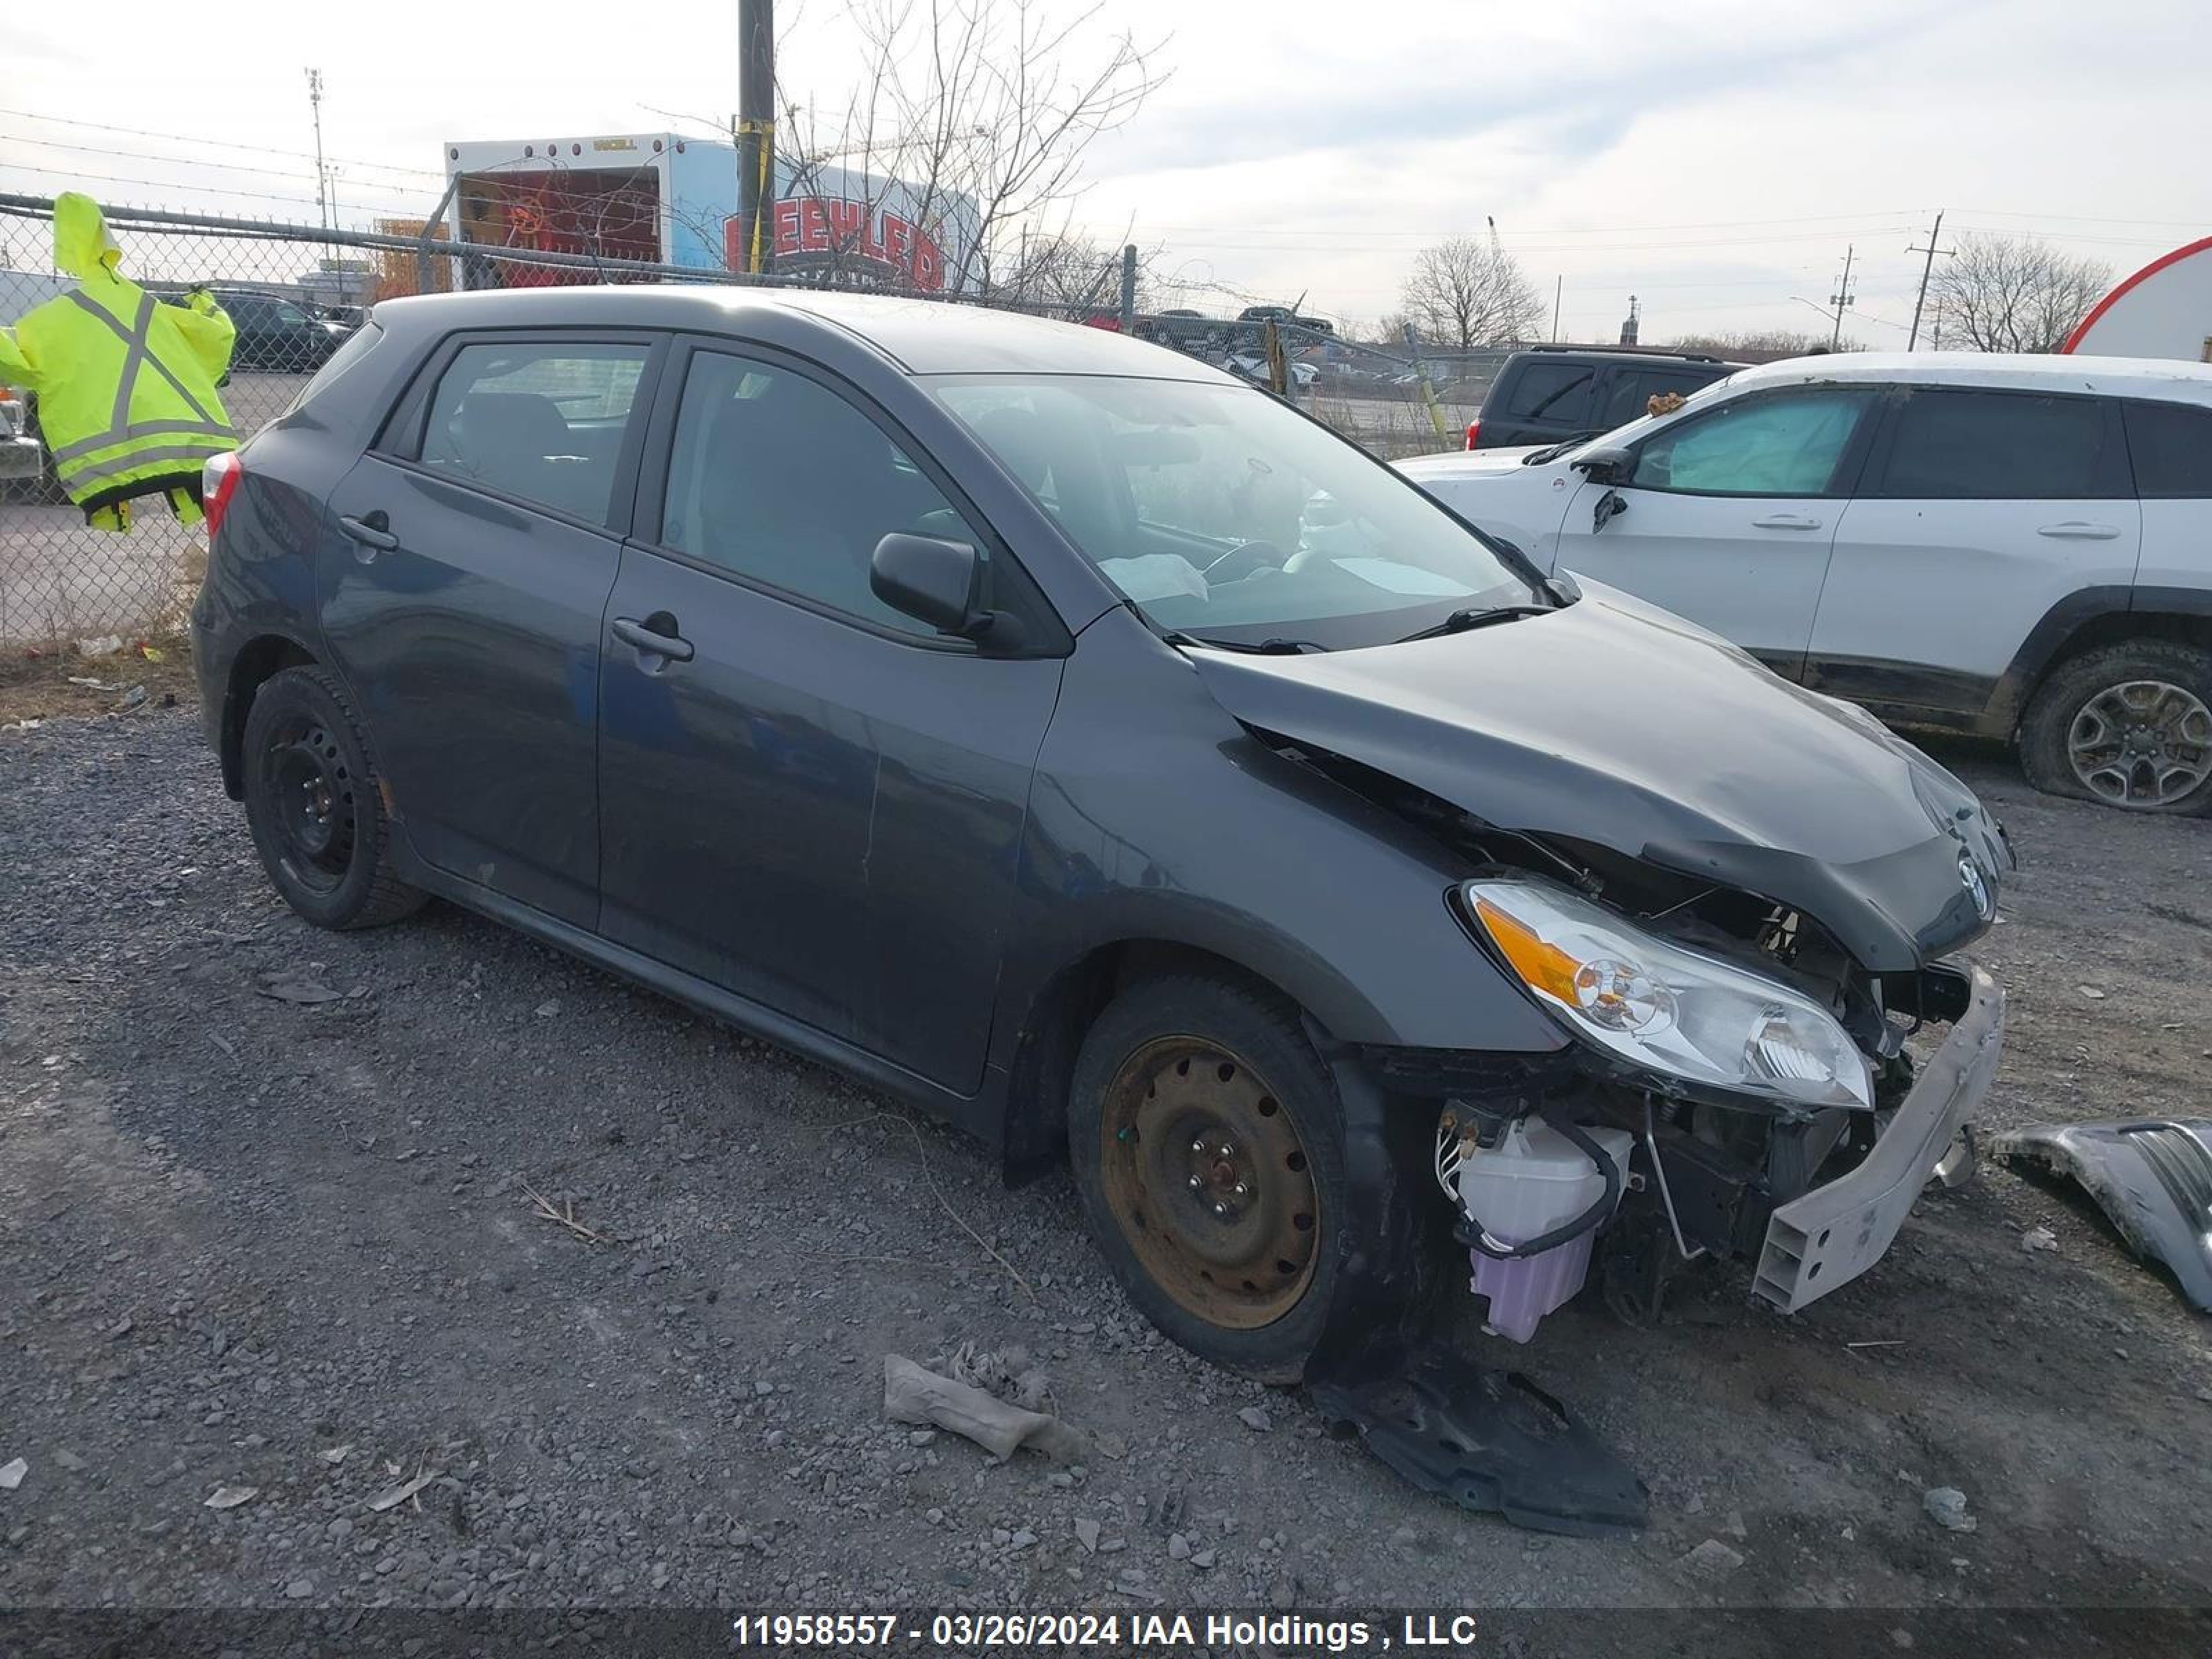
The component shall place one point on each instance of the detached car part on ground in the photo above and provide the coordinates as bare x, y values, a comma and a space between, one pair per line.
2151, 1176
1095, 751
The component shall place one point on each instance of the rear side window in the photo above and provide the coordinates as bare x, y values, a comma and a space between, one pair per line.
542, 420
2172, 444
1998, 446
1551, 392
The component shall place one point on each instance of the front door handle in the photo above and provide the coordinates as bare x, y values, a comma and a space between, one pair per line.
653, 641
1786, 521
372, 531
2079, 529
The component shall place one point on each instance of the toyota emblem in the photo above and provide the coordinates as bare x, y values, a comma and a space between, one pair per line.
1970, 877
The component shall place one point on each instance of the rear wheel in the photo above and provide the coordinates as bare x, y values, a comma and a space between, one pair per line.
315, 806
2128, 725
1208, 1143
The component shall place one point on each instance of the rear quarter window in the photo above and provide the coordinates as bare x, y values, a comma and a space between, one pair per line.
353, 348
2171, 446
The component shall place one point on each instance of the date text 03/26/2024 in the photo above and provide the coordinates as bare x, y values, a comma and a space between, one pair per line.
965, 1632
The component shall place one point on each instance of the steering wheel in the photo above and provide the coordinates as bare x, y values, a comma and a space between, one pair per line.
1247, 560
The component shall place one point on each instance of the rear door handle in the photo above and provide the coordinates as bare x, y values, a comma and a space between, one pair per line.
2079, 529
1786, 521
371, 530
651, 641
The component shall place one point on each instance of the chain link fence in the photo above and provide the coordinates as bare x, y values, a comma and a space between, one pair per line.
294, 292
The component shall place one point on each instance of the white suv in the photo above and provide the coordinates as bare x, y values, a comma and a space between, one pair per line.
2020, 547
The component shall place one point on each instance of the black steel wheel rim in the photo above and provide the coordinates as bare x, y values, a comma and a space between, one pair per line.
310, 791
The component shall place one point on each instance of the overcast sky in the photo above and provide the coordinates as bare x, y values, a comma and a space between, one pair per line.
1714, 158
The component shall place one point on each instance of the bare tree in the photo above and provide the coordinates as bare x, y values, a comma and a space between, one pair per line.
2013, 294
1780, 342
1464, 292
974, 116
1064, 272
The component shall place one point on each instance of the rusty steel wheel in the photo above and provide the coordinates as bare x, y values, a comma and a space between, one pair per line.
1205, 1174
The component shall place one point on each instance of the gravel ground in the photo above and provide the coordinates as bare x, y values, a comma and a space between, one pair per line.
248, 1243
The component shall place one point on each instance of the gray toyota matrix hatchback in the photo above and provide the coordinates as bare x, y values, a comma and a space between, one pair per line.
1089, 748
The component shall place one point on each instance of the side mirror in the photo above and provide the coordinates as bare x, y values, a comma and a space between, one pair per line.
1605, 466
939, 582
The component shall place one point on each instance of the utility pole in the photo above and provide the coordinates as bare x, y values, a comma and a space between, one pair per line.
1927, 265
322, 179
756, 132
1128, 287
1558, 291
1842, 297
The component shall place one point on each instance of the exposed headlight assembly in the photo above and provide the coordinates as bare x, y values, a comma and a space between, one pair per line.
1666, 1009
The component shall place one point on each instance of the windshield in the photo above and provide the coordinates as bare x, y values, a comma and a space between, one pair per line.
1221, 514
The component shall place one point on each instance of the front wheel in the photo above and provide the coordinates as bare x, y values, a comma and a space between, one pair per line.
1208, 1145
2129, 724
314, 802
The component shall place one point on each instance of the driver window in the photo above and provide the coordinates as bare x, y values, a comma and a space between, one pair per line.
1791, 444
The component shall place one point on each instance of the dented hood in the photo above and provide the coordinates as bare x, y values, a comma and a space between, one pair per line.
1615, 723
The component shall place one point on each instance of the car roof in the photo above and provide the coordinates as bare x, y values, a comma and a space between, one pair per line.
1637, 356
915, 336
2132, 377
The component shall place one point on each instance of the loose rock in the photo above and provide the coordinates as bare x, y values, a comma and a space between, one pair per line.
1947, 1507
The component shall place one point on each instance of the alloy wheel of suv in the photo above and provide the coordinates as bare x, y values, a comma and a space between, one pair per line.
2142, 743
2129, 725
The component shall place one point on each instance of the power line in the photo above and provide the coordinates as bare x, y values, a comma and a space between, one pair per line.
74, 177
193, 162
1593, 230
219, 144
1522, 248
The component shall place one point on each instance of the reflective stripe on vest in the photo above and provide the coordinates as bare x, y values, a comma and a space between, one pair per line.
138, 355
88, 473
139, 429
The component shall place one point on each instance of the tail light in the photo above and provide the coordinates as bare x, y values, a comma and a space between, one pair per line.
1474, 431
218, 483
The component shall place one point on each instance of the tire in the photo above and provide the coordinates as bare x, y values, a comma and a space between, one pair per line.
1243, 1115
314, 804
2170, 767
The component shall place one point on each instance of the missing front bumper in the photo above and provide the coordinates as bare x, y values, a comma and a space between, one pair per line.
1826, 1239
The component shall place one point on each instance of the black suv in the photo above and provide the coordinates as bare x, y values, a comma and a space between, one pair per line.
276, 335
1549, 394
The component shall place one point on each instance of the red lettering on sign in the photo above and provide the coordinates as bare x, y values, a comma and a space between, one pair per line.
825, 225
813, 225
928, 264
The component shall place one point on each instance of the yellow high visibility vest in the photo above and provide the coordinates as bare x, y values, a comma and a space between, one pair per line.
127, 399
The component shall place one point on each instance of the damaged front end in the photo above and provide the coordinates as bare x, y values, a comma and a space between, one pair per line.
1738, 902
1736, 1084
